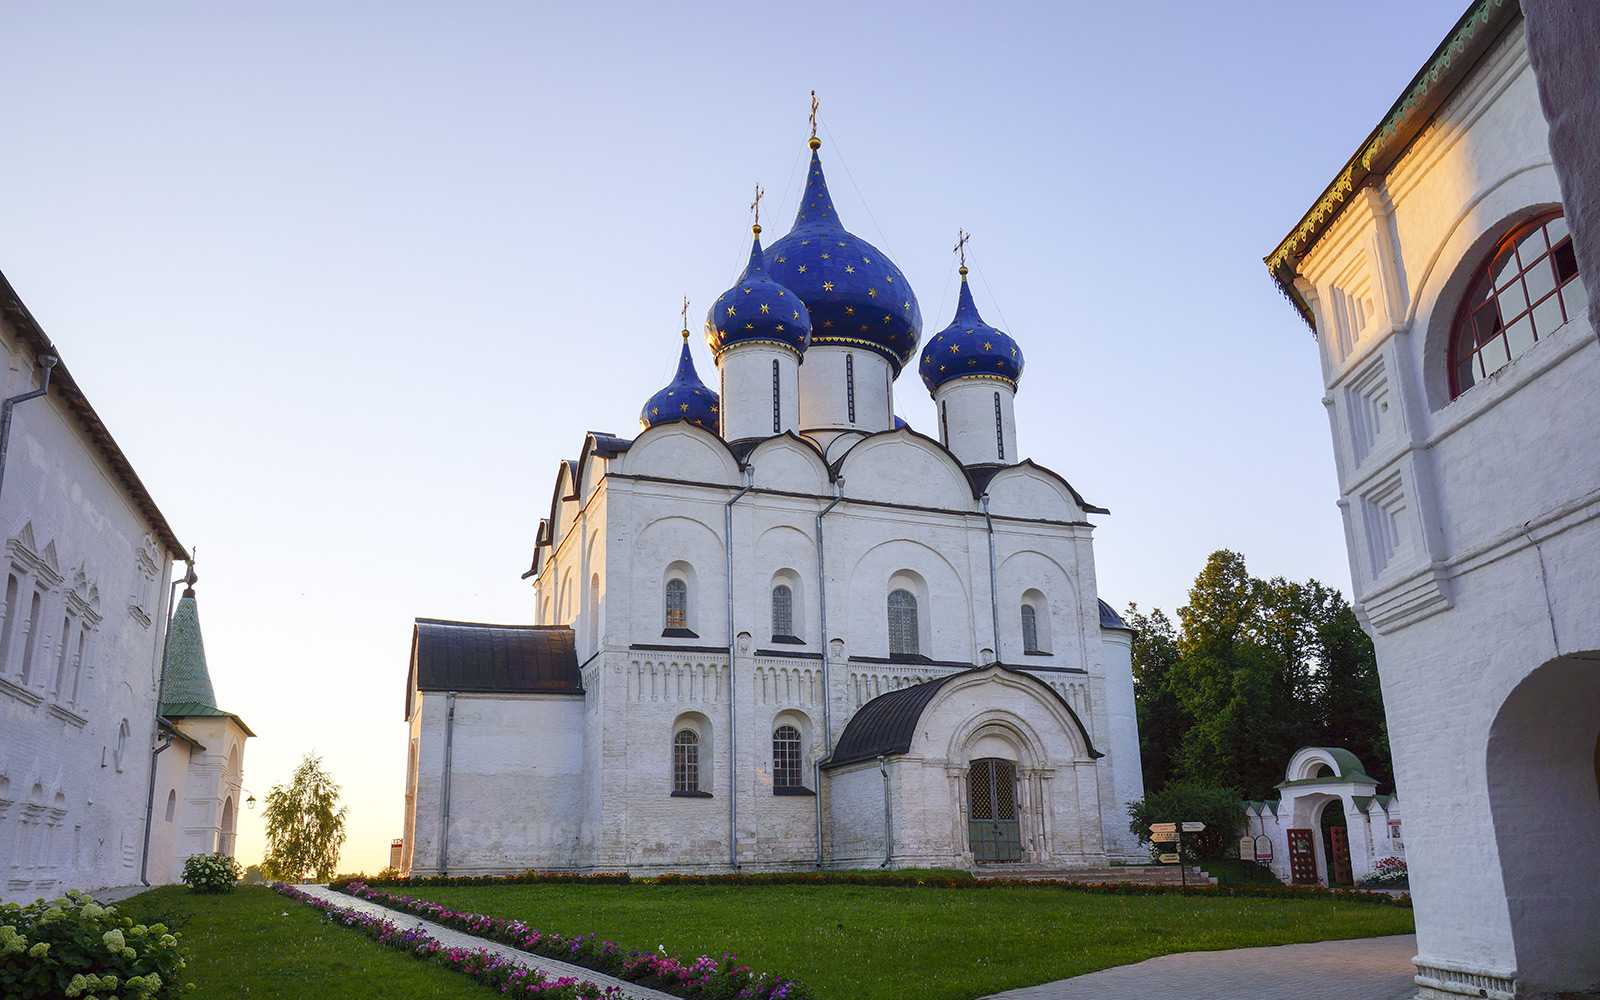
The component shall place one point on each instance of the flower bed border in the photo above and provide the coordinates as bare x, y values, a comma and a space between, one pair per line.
703, 979
509, 977
908, 880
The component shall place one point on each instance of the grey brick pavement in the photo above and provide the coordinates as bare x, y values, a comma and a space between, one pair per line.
1361, 969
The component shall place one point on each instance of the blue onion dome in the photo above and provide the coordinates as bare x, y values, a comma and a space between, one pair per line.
758, 310
856, 295
684, 400
970, 348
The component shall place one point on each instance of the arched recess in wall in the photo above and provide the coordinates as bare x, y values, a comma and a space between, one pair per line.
692, 755
1035, 614
786, 593
906, 608
172, 804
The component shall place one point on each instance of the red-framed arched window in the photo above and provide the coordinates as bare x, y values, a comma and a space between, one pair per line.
1526, 289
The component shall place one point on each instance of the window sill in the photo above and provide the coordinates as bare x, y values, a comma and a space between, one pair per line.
789, 640
679, 633
691, 795
1037, 652
792, 790
19, 692
909, 658
67, 715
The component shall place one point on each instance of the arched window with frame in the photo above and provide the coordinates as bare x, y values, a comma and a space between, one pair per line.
786, 763
686, 762
1030, 629
903, 632
782, 610
677, 602
1525, 290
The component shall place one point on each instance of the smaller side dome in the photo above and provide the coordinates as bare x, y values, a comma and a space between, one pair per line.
683, 400
757, 310
970, 348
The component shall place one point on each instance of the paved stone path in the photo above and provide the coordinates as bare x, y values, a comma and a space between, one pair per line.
1360, 969
451, 938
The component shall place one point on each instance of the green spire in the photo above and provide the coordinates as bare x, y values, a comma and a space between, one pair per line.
185, 681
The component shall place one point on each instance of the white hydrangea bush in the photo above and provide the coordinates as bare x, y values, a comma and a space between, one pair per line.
74, 947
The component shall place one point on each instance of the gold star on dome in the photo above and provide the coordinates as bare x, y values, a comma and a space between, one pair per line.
849, 310
1000, 363
827, 256
747, 291
783, 260
872, 293
849, 269
796, 314
713, 407
972, 362
828, 323
655, 411
764, 308
841, 242
805, 243
907, 307
866, 260
988, 345
749, 326
683, 407
955, 348
1013, 352
886, 319
780, 293
780, 327
802, 269
889, 278
731, 311
863, 328
941, 367
827, 286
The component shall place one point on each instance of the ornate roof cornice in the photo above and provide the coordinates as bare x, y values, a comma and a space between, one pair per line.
1481, 25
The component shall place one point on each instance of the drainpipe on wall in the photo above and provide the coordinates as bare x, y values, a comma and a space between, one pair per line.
827, 688
47, 362
444, 791
161, 680
994, 597
888, 827
733, 702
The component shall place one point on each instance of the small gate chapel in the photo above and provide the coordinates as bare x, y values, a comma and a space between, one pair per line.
779, 628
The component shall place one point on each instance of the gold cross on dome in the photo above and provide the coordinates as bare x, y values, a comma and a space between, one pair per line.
962, 236
684, 313
814, 105
755, 206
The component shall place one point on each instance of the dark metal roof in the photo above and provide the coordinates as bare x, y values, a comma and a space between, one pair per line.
1110, 619
66, 390
498, 659
886, 725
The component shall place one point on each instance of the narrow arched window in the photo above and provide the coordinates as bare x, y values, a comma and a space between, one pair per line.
1030, 629
775, 397
786, 771
850, 385
903, 623
122, 744
782, 610
172, 803
999, 429
686, 761
1525, 291
677, 603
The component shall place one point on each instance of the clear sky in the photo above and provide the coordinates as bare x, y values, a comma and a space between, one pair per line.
346, 283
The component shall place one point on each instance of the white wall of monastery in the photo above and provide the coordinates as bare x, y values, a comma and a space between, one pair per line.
1474, 536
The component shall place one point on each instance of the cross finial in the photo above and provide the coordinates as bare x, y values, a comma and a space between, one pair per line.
684, 313
962, 236
189, 578
815, 143
755, 206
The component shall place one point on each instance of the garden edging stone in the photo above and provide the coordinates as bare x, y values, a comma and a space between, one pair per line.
458, 939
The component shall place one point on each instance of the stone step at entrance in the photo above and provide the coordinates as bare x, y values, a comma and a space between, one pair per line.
1131, 874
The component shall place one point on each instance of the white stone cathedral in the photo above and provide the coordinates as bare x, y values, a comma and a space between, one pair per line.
922, 672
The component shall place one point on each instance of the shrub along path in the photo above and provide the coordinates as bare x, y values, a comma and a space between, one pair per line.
855, 942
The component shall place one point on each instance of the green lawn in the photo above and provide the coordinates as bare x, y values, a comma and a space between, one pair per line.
878, 943
254, 943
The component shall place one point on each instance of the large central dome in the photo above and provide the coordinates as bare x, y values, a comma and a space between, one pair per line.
855, 294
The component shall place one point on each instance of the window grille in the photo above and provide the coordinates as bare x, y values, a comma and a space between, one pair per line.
1525, 291
782, 610
850, 385
786, 772
944, 422
686, 761
677, 604
1030, 629
999, 429
774, 395
903, 624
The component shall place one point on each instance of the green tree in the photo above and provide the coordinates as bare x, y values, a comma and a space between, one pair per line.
1162, 721
305, 825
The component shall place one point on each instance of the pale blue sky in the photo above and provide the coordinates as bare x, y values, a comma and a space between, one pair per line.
346, 285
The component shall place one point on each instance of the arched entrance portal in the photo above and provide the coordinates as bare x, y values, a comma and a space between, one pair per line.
993, 830
1336, 844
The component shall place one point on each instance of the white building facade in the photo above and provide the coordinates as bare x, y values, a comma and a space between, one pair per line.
87, 594
780, 629
1461, 375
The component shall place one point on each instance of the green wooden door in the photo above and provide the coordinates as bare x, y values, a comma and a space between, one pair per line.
992, 827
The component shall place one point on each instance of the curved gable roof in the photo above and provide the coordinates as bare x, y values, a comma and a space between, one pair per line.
492, 659
886, 725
